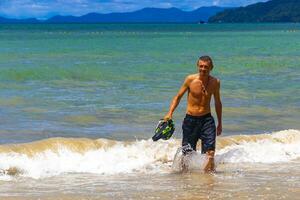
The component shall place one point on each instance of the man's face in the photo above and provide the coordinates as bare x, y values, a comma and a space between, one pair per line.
204, 68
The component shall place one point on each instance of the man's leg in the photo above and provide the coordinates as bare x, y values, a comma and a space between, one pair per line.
189, 133
189, 140
208, 139
210, 162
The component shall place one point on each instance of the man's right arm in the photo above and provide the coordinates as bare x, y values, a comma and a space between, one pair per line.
177, 98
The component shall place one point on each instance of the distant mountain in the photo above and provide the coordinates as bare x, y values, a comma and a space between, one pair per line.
271, 11
146, 15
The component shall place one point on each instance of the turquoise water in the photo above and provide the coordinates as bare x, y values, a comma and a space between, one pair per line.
115, 81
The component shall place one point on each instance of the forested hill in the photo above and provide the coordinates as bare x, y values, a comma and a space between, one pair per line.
270, 11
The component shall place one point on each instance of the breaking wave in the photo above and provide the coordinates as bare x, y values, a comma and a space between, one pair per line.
55, 156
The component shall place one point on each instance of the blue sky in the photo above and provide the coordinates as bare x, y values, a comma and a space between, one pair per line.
46, 8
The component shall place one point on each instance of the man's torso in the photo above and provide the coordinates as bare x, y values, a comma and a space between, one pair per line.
199, 95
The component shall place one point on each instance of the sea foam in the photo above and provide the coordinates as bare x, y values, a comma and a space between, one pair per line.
55, 156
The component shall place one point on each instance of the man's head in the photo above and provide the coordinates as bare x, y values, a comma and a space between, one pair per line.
205, 65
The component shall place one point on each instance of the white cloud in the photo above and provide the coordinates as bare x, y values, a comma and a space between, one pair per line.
216, 3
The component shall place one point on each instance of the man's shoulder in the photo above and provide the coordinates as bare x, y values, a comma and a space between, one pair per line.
189, 79
191, 76
215, 79
215, 82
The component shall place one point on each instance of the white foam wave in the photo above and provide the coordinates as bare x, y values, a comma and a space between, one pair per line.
144, 156
140, 156
283, 146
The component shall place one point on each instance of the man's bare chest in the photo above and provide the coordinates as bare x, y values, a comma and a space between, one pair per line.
197, 89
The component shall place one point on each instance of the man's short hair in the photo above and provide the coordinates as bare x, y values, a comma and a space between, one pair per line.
206, 59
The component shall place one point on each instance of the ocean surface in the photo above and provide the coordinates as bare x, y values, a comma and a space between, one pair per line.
79, 104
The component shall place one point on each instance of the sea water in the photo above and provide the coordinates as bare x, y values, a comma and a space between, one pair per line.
78, 104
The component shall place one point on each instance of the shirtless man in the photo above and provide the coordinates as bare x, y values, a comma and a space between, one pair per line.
198, 122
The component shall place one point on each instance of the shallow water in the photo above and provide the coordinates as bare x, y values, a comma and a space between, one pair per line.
248, 167
110, 81
231, 181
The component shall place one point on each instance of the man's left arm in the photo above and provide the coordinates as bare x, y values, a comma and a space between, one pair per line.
218, 106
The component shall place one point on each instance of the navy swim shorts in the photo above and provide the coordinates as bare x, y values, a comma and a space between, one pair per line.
199, 127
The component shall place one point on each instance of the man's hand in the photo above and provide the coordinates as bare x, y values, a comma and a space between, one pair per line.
219, 129
167, 117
